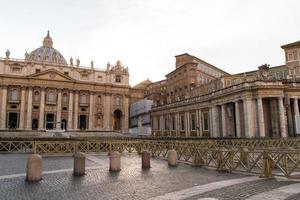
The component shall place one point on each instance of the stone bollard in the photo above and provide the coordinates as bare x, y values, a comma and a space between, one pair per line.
244, 156
172, 158
198, 160
146, 160
114, 162
34, 168
79, 164
267, 166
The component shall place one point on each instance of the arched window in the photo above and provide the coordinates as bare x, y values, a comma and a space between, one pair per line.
14, 95
65, 98
36, 96
99, 100
51, 96
83, 99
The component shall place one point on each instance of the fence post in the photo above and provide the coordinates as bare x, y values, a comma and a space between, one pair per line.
244, 157
267, 166
219, 158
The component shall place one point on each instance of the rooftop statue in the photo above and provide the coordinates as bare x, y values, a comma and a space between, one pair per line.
77, 62
7, 53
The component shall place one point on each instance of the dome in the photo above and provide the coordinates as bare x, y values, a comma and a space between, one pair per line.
46, 53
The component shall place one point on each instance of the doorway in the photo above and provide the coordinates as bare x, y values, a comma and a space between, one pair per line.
117, 119
13, 120
35, 124
50, 121
82, 122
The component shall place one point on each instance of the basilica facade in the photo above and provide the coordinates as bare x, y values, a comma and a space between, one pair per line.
44, 91
198, 99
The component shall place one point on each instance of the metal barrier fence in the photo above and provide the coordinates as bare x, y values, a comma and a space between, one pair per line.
266, 156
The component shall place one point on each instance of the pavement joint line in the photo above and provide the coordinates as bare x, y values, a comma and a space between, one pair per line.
196, 190
45, 172
278, 193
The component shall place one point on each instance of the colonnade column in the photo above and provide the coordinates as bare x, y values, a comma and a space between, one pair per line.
58, 111
91, 112
248, 117
75, 122
200, 123
22, 109
237, 119
177, 123
261, 122
197, 122
224, 125
70, 111
42, 110
282, 118
215, 124
29, 110
3, 107
187, 123
296, 113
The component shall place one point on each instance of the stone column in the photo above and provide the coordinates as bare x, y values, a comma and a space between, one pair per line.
261, 122
91, 111
186, 121
197, 123
22, 109
237, 119
75, 122
58, 110
70, 112
200, 123
248, 117
3, 108
296, 112
107, 112
282, 118
125, 114
42, 110
215, 124
177, 126
224, 124
29, 110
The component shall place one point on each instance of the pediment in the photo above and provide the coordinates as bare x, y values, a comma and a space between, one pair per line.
51, 75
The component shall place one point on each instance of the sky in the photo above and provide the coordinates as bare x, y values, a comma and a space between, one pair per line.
234, 35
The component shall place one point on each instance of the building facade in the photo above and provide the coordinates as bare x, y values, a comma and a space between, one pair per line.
43, 91
260, 103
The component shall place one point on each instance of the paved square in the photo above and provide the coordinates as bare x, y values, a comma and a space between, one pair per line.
160, 182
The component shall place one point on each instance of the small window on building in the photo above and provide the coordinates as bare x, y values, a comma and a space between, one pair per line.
64, 108
13, 106
118, 101
66, 73
118, 79
83, 99
290, 57
35, 107
37, 71
100, 77
83, 109
36, 96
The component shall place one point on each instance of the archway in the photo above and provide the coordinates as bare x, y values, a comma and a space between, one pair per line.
117, 119
12, 120
82, 122
35, 124
49, 121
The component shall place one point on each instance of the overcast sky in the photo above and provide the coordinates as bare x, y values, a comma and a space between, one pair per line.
234, 35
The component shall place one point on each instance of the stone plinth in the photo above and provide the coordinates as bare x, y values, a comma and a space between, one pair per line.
114, 162
34, 168
146, 160
79, 164
172, 158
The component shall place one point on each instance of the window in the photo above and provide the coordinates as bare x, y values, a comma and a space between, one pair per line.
37, 71
290, 57
205, 121
65, 98
66, 73
64, 108
83, 99
35, 107
14, 95
51, 96
83, 109
193, 122
182, 123
36, 96
118, 79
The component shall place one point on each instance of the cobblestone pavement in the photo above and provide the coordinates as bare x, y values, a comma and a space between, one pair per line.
130, 183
